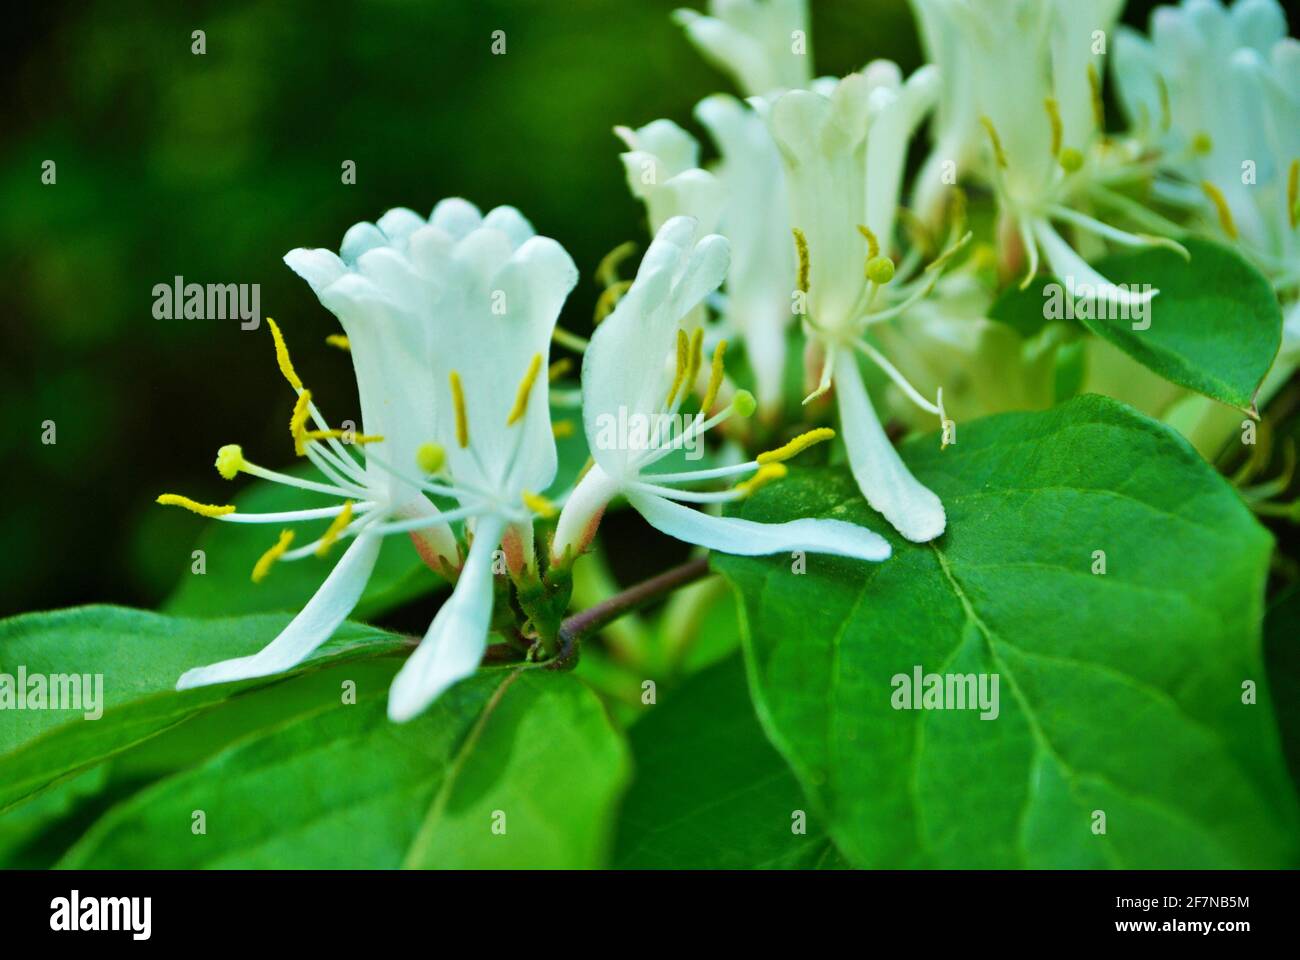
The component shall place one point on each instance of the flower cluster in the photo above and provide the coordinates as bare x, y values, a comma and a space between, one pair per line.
793, 244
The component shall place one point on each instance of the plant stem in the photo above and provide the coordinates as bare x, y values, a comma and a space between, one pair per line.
581, 625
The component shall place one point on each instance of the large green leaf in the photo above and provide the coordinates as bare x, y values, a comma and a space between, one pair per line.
710, 791
139, 656
515, 768
1215, 326
1119, 692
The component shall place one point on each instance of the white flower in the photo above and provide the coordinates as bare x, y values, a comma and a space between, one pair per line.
763, 44
462, 293
662, 168
1024, 77
1218, 91
632, 402
844, 154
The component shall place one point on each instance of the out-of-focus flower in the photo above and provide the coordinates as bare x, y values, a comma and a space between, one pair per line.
762, 44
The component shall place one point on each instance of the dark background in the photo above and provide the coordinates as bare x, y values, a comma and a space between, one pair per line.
213, 167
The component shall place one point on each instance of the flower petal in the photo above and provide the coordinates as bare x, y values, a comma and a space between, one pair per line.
314, 625
912, 509
751, 539
454, 645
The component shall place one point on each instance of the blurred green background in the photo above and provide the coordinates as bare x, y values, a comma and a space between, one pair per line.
212, 167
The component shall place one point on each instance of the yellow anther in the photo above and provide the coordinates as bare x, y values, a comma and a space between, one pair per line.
880, 270
765, 475
430, 457
796, 446
1202, 143
230, 460
539, 505
458, 403
1058, 129
298, 422
561, 429
607, 269
558, 369
1166, 112
338, 340
696, 358
873, 245
345, 435
609, 299
805, 265
282, 356
999, 154
1293, 194
683, 349
743, 403
1220, 202
716, 373
1098, 105
202, 509
1071, 160
335, 528
263, 565
525, 389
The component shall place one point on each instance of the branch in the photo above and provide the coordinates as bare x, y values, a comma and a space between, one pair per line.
589, 621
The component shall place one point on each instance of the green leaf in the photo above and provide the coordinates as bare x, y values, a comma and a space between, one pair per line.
1119, 692
1282, 656
139, 656
1215, 326
529, 753
710, 791
1022, 310
231, 549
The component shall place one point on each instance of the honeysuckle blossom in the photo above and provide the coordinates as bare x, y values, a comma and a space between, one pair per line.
662, 167
843, 155
762, 44
444, 318
1031, 125
1217, 90
633, 403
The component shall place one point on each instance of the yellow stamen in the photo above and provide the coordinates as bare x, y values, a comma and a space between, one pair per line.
765, 475
880, 270
716, 373
683, 347
873, 245
338, 340
458, 402
202, 509
999, 154
1058, 129
1293, 194
263, 565
561, 429
607, 269
696, 358
1166, 112
282, 356
230, 460
609, 299
525, 389
335, 528
796, 446
558, 369
1098, 105
344, 435
430, 457
1220, 202
298, 422
1202, 143
805, 266
539, 505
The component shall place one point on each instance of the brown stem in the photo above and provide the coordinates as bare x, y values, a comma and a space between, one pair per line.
589, 621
